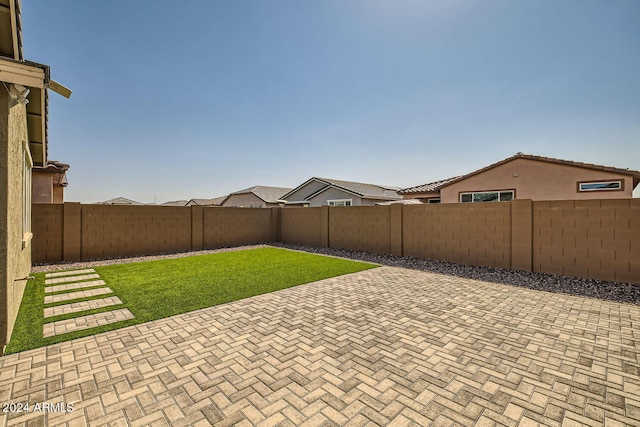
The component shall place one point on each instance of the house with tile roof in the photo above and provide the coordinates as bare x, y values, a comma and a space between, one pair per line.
332, 192
120, 201
526, 176
175, 203
216, 201
259, 196
48, 183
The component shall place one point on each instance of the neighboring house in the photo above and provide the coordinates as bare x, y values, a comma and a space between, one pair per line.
175, 203
23, 145
119, 201
525, 176
259, 196
48, 182
216, 201
332, 192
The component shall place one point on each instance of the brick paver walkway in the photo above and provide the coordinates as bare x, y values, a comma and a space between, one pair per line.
85, 322
81, 320
81, 306
387, 346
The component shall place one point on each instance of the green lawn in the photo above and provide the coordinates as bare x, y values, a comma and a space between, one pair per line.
157, 289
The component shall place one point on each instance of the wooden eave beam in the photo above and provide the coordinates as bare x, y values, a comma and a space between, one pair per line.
22, 74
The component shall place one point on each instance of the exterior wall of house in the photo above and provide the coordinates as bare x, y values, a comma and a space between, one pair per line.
334, 194
537, 180
15, 253
422, 196
58, 194
246, 200
42, 187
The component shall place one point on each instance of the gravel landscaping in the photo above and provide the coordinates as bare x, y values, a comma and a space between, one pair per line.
611, 291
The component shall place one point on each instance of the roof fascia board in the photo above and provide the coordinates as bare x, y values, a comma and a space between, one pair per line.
332, 186
22, 74
380, 198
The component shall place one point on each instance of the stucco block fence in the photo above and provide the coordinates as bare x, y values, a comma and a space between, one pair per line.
590, 238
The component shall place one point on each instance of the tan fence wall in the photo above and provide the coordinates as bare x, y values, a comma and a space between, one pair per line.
47, 230
73, 232
360, 228
594, 238
240, 226
474, 233
589, 238
302, 226
121, 231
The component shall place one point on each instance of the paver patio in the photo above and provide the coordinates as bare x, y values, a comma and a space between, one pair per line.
387, 346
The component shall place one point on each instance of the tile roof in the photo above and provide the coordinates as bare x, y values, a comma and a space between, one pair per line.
265, 193
364, 190
428, 188
216, 201
119, 201
175, 203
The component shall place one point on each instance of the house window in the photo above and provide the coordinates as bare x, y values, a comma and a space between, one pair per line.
487, 196
600, 186
342, 202
432, 201
256, 206
26, 192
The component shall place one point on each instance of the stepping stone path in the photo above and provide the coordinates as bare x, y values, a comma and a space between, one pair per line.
75, 281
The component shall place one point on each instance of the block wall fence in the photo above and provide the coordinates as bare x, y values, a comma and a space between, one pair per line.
590, 238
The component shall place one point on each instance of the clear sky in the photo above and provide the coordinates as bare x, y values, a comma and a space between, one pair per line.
199, 98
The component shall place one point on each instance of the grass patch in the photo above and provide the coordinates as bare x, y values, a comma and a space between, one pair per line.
156, 289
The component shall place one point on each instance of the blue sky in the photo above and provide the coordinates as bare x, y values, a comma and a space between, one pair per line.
199, 98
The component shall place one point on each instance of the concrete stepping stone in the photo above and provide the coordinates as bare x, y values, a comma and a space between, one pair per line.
71, 286
85, 322
81, 306
71, 279
69, 273
76, 295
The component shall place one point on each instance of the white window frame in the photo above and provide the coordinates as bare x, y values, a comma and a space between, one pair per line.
498, 192
613, 181
340, 202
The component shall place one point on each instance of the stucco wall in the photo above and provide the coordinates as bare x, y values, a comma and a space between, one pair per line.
58, 194
537, 180
15, 261
42, 184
